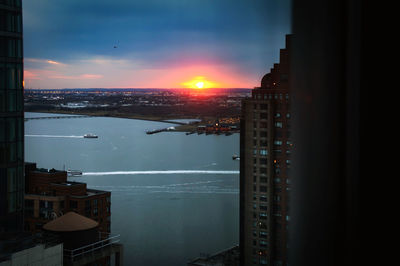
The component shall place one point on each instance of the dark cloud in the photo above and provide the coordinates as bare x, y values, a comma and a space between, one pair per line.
247, 33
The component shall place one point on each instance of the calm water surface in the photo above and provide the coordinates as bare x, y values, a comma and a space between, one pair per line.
174, 196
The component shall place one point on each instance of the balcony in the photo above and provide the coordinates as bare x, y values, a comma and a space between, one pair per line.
105, 247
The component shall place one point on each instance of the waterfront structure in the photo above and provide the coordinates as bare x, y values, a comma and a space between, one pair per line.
265, 147
49, 195
84, 244
11, 118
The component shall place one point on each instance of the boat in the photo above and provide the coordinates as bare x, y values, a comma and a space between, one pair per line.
90, 136
74, 172
235, 157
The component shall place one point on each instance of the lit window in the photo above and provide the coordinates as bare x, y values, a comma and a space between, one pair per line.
263, 234
263, 198
277, 142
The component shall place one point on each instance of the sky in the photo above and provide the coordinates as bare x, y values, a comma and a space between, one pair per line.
152, 43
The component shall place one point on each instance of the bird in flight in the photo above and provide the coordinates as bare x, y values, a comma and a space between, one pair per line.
116, 45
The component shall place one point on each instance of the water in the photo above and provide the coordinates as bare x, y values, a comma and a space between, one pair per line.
174, 196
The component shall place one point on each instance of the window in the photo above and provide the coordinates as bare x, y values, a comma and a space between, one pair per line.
263, 198
263, 152
263, 243
263, 134
263, 234
73, 204
263, 115
263, 188
262, 252
29, 204
88, 208
262, 225
278, 124
263, 143
277, 198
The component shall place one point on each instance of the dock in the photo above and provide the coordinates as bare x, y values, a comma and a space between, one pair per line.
149, 132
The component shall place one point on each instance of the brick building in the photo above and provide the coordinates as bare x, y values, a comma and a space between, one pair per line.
49, 195
265, 148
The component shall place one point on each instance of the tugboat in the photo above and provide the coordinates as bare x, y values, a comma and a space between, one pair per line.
74, 172
90, 136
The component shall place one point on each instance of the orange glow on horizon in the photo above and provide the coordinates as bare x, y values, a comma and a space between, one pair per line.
199, 82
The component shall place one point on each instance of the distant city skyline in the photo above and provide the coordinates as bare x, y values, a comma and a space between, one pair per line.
151, 44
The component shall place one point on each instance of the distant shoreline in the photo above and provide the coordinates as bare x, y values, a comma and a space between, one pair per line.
179, 128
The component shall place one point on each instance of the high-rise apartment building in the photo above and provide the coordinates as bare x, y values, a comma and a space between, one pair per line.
265, 148
11, 117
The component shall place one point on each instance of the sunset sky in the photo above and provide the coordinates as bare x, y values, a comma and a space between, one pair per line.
152, 43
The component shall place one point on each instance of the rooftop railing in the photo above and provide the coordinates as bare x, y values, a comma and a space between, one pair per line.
72, 254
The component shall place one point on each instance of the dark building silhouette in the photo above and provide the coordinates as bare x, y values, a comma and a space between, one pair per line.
11, 118
265, 161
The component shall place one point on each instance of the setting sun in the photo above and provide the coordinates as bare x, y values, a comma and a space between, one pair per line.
199, 82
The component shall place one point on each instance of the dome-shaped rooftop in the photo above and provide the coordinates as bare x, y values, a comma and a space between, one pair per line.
70, 222
266, 81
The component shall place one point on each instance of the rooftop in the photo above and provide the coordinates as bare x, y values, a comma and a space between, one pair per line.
70, 222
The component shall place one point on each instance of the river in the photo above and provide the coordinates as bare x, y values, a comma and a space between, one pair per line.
174, 196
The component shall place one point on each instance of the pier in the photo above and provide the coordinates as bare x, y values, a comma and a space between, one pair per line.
149, 132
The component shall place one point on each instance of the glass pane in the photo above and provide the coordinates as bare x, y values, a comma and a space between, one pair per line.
2, 129
11, 74
11, 132
11, 179
11, 101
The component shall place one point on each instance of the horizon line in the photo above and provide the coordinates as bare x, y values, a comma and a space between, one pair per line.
141, 88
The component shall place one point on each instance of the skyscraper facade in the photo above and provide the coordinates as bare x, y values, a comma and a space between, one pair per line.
11, 117
265, 148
